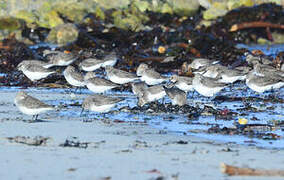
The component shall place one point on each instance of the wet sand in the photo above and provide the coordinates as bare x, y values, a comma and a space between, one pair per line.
118, 150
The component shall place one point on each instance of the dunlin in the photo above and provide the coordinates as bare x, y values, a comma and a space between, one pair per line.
177, 96
213, 71
61, 58
149, 75
266, 70
207, 86
91, 64
261, 84
182, 82
30, 105
201, 62
231, 76
100, 103
35, 62
251, 59
138, 88
49, 52
98, 85
73, 77
119, 76
151, 94
244, 69
34, 71
110, 60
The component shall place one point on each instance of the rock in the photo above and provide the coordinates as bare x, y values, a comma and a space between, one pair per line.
29, 17
113, 4
63, 34
11, 26
205, 3
217, 9
72, 11
10, 23
278, 38
184, 7
263, 41
130, 19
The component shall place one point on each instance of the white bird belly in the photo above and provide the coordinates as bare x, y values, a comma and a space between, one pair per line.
151, 81
98, 89
36, 75
103, 108
30, 111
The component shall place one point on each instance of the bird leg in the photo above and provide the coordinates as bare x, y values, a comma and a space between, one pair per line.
34, 118
78, 89
81, 112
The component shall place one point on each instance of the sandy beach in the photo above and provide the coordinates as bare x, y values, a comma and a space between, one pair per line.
115, 150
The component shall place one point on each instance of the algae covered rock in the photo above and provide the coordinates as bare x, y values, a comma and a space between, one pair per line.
63, 34
217, 9
10, 23
113, 4
130, 19
184, 7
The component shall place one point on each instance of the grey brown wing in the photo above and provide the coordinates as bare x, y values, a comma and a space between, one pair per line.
265, 81
212, 83
35, 103
124, 74
153, 74
103, 82
37, 68
91, 62
187, 80
107, 100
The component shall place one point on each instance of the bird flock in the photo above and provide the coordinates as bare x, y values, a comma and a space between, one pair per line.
148, 85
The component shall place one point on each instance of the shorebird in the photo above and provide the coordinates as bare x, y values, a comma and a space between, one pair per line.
207, 86
149, 76
35, 62
244, 69
99, 103
110, 60
34, 71
30, 105
231, 75
98, 85
201, 62
177, 96
261, 84
118, 76
213, 71
47, 52
182, 82
91, 64
252, 59
61, 58
266, 70
138, 88
151, 94
73, 77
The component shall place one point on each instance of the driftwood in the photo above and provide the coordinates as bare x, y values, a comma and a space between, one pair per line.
238, 171
255, 24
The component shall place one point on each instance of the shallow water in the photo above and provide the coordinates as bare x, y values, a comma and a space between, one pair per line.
180, 123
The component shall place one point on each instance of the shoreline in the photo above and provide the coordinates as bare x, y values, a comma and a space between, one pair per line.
117, 150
